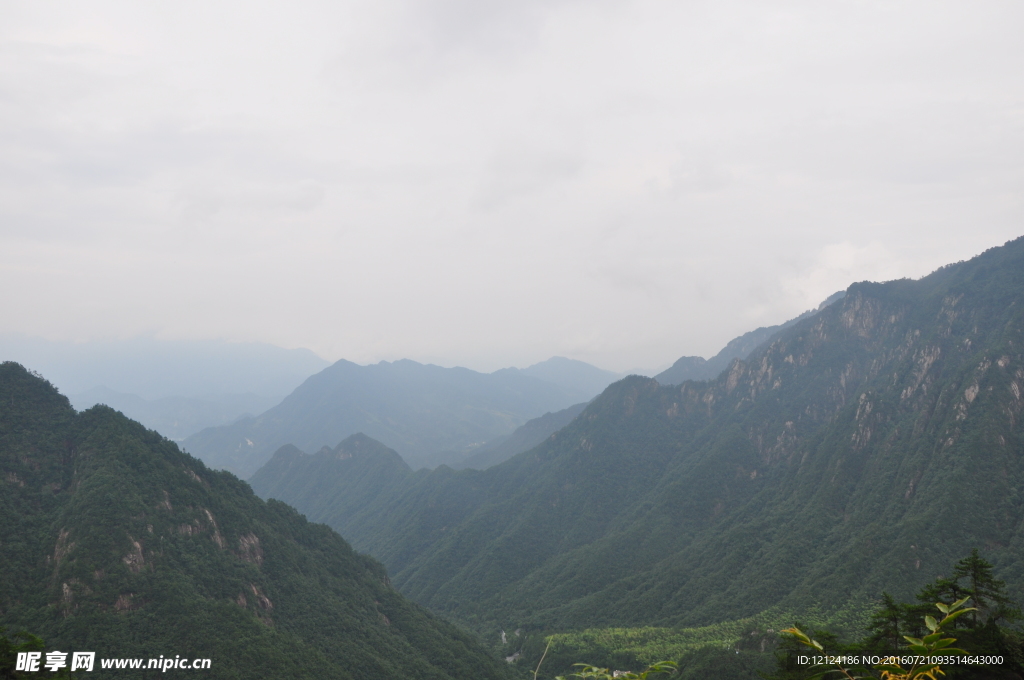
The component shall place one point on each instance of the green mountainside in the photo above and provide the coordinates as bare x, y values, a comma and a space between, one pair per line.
498, 450
426, 412
332, 485
525, 437
114, 541
865, 448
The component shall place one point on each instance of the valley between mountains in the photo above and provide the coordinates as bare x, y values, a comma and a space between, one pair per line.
863, 447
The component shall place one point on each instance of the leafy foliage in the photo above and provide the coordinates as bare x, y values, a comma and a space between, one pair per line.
926, 648
585, 671
911, 629
725, 650
10, 647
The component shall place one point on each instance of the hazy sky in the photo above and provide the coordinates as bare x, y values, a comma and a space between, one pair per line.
492, 183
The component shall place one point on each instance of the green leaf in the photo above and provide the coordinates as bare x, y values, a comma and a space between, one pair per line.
956, 615
960, 603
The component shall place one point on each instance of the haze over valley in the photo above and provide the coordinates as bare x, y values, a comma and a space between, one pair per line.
817, 470
449, 340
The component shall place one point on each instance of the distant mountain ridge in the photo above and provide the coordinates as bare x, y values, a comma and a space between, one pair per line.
176, 417
422, 411
577, 378
698, 368
864, 448
153, 369
331, 483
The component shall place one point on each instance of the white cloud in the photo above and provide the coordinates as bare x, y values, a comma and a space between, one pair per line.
492, 183
837, 265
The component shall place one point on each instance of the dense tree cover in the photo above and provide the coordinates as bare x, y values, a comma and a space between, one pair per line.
115, 541
754, 648
986, 630
588, 672
17, 643
815, 473
525, 437
331, 484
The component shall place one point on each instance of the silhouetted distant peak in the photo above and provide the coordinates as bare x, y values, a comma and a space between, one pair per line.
422, 410
578, 377
698, 368
361, 445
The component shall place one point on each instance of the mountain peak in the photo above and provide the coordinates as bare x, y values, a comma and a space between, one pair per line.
821, 468
361, 445
110, 527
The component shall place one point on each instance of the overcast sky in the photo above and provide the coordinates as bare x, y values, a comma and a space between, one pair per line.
492, 183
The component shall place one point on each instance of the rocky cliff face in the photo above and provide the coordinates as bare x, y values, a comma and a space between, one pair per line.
864, 448
698, 368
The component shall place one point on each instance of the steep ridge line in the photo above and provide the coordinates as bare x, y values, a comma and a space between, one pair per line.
423, 411
865, 448
114, 541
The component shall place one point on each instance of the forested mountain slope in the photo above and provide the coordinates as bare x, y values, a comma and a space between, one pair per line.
420, 410
116, 542
332, 486
865, 448
526, 436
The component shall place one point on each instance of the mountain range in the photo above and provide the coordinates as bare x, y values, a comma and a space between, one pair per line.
175, 387
176, 417
116, 542
153, 369
862, 448
580, 380
430, 414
